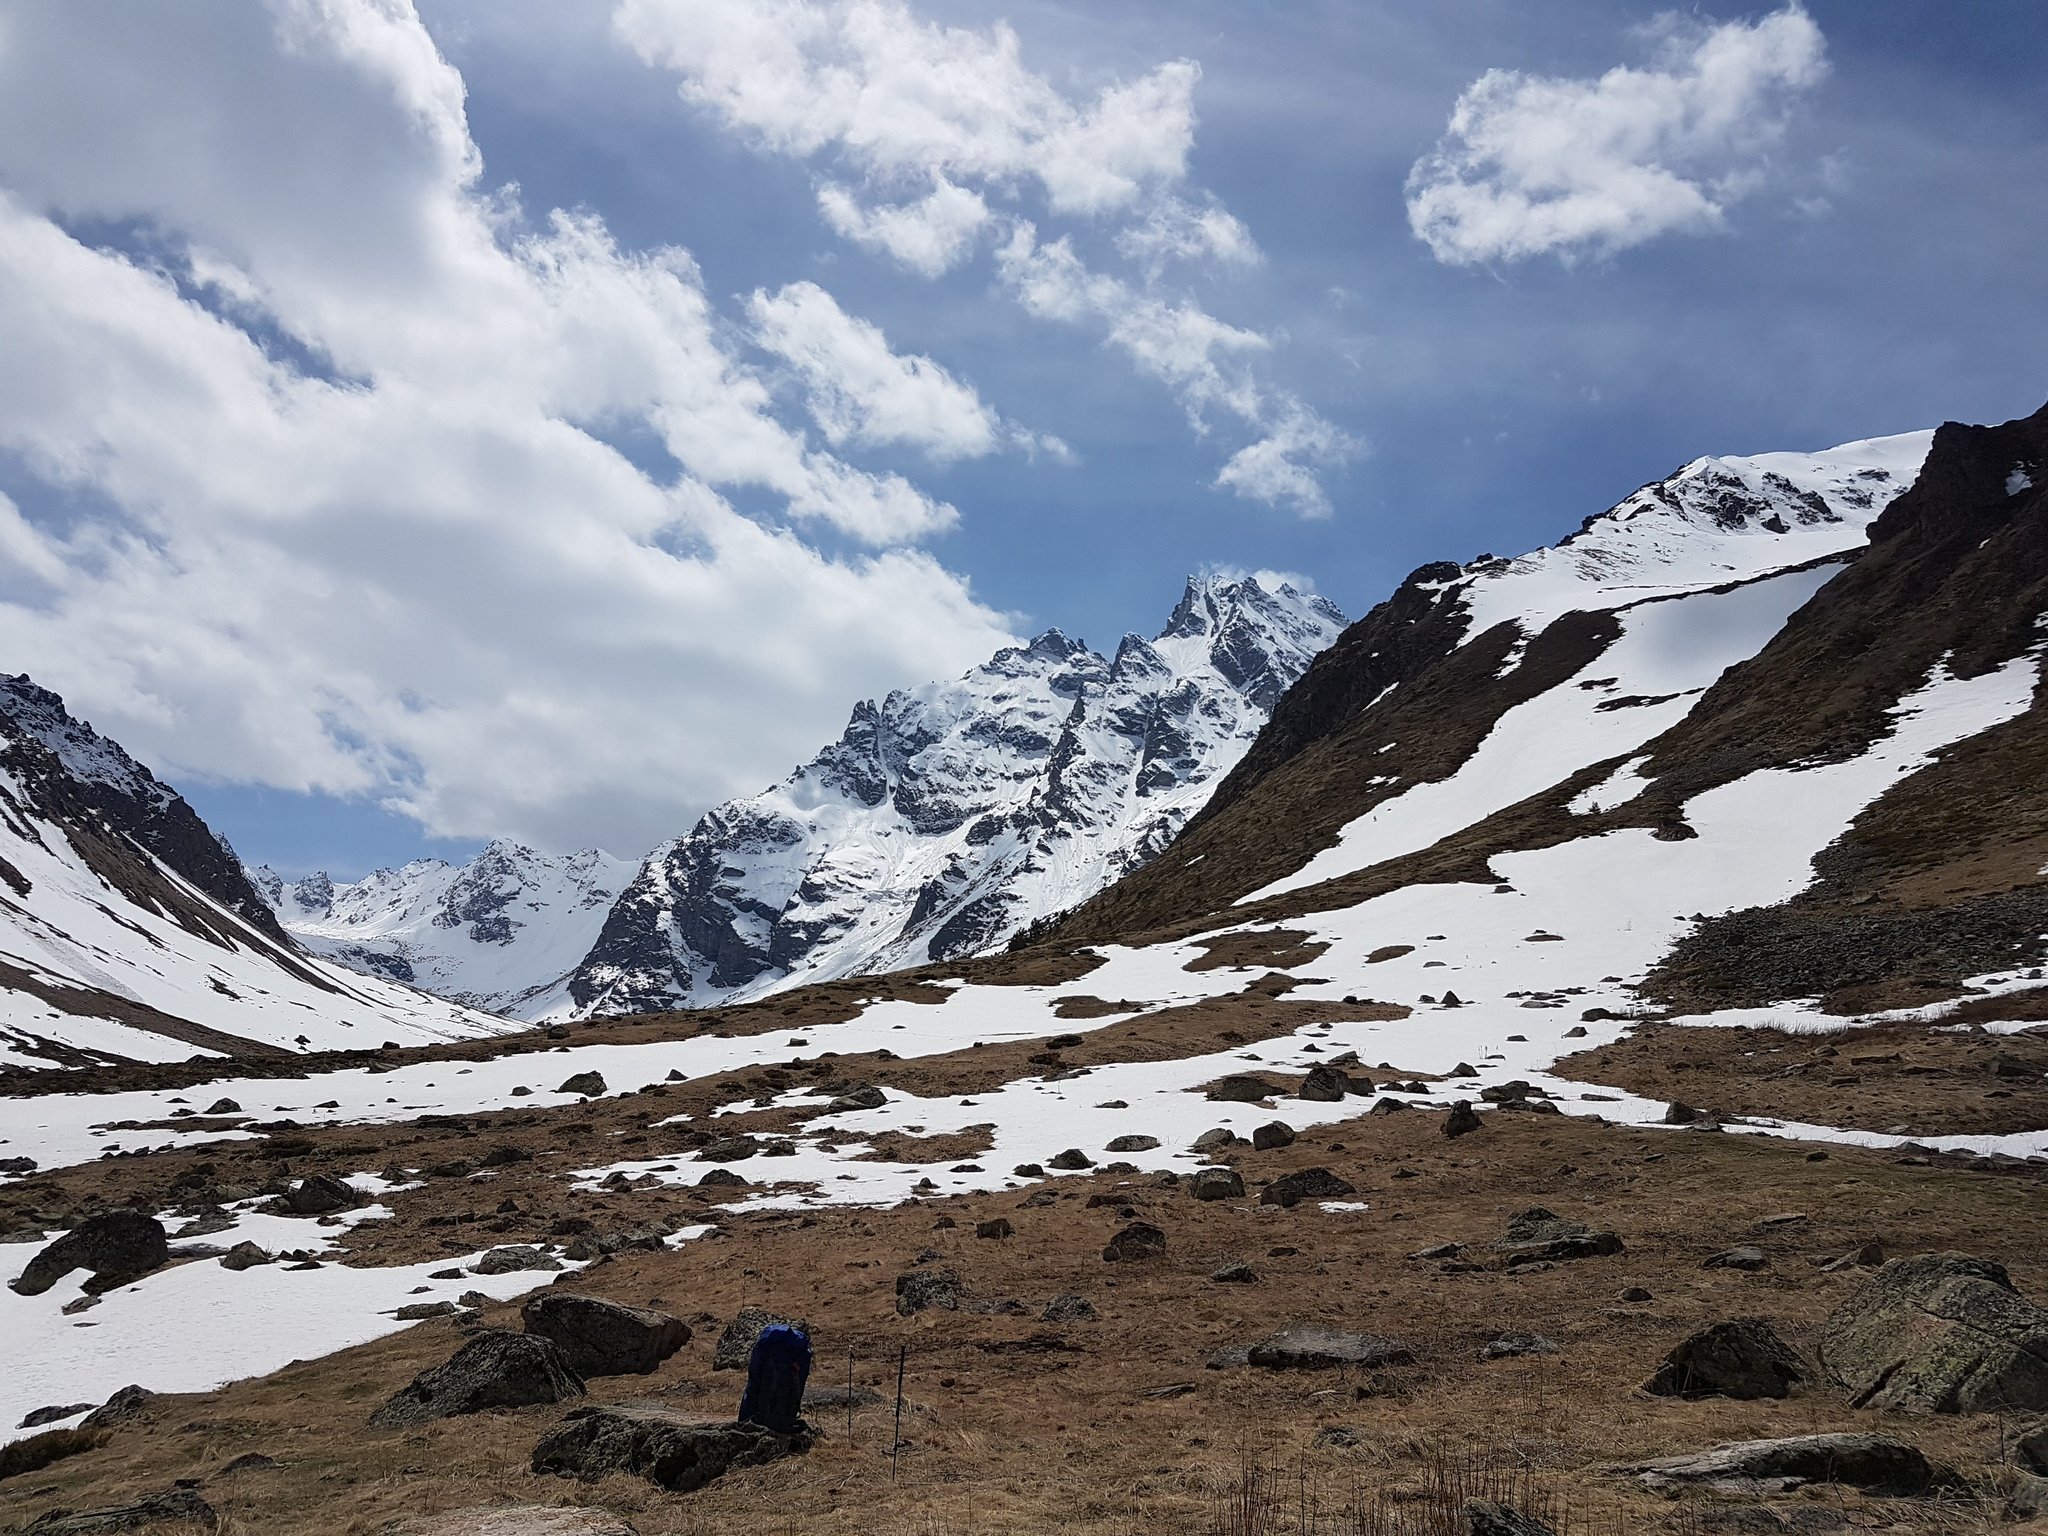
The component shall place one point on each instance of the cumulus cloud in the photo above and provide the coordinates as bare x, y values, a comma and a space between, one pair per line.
903, 100
1175, 230
862, 392
1532, 165
929, 236
312, 439
1205, 361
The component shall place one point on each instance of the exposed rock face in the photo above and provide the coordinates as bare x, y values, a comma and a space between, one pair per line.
496, 933
116, 1246
948, 817
175, 1505
493, 1370
522, 1520
1540, 1236
1315, 1347
604, 1338
1743, 1358
1939, 1333
1874, 1463
670, 1451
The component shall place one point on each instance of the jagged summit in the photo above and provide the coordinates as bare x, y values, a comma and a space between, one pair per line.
948, 816
496, 933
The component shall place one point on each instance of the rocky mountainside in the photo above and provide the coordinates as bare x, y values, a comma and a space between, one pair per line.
949, 816
499, 933
128, 930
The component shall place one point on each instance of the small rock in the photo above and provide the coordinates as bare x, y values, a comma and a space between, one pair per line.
1324, 1085
1071, 1159
860, 1096
1741, 1257
589, 1084
321, 1195
996, 1227
1241, 1089
1132, 1144
1217, 1184
1462, 1120
1483, 1518
513, 1258
1215, 1140
1515, 1343
1134, 1243
921, 1290
1315, 1346
1273, 1134
1680, 1114
1235, 1273
223, 1107
37, 1417
1307, 1184
736, 1344
1069, 1308
244, 1255
1635, 1293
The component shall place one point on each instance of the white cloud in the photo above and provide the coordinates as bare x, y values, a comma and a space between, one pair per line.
1175, 230
929, 236
1206, 363
1531, 164
859, 390
415, 570
903, 100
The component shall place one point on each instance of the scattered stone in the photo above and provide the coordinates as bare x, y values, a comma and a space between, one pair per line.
1241, 1089
1215, 1140
522, 1520
1217, 1184
669, 1450
1388, 1107
117, 1246
492, 1370
37, 1417
1438, 1251
1315, 1346
513, 1258
1869, 1256
417, 1311
321, 1195
1577, 1031
1939, 1333
1538, 1236
728, 1149
1307, 1184
175, 1504
589, 1084
860, 1096
1132, 1144
1483, 1518
1462, 1119
1134, 1243
1324, 1085
1072, 1158
1272, 1135
736, 1344
1028, 1171
1873, 1463
1464, 1069
1635, 1293
722, 1178
1070, 1308
1516, 1342
1235, 1273
921, 1290
1337, 1437
125, 1406
996, 1227
1743, 1358
244, 1255
1742, 1257
1680, 1114
604, 1338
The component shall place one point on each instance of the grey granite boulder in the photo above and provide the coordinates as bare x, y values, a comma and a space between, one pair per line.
604, 1338
493, 1370
1939, 1333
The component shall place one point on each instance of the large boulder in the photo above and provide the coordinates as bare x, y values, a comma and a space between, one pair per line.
1324, 1085
1939, 1333
604, 1338
320, 1195
669, 1450
1217, 1184
1873, 1463
117, 1246
1314, 1347
1241, 1088
1742, 1358
493, 1370
735, 1345
1307, 1184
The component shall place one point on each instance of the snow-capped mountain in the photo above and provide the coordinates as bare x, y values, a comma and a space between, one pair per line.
129, 932
951, 815
501, 932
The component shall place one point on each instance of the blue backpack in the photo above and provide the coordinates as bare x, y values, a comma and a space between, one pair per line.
776, 1372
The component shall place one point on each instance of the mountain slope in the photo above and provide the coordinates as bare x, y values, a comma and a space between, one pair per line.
498, 933
1474, 687
128, 931
949, 816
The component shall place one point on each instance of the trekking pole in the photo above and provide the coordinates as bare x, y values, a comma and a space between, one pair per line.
896, 1446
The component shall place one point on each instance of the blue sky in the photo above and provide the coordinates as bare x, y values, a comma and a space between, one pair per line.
383, 513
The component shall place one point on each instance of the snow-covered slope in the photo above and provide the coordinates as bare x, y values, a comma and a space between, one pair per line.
501, 932
951, 815
127, 930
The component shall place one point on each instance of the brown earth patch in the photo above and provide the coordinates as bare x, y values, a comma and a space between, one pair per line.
1880, 1077
1275, 948
1085, 1007
1115, 1427
954, 1147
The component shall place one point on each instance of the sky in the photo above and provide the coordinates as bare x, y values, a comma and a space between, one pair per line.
519, 418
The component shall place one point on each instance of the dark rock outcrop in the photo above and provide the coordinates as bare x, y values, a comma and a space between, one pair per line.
1315, 1347
1135, 1243
1741, 1358
1306, 1184
117, 1246
670, 1451
493, 1370
1217, 1184
1874, 1463
604, 1338
1939, 1333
